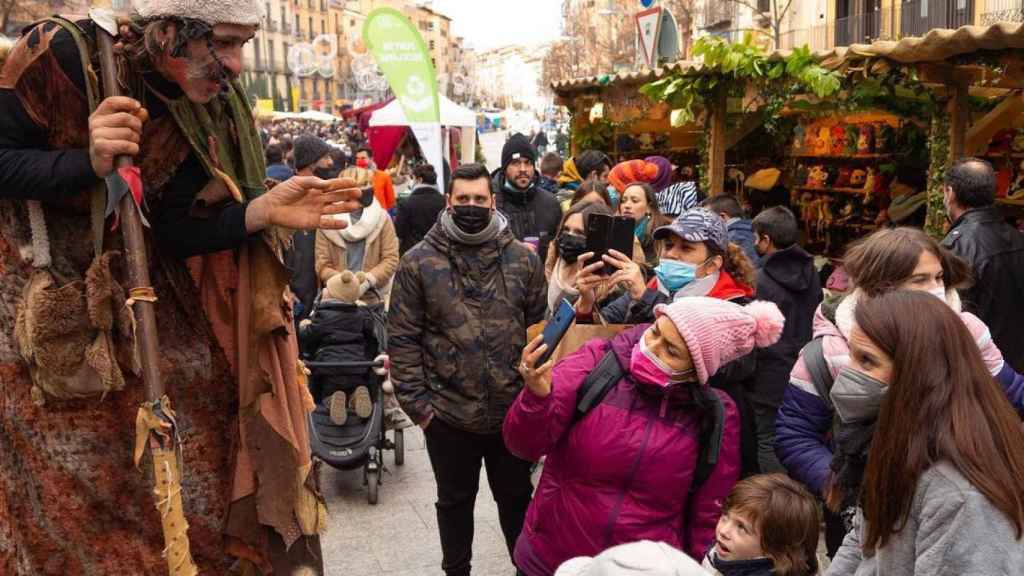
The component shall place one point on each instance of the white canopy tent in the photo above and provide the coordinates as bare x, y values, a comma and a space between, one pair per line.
452, 114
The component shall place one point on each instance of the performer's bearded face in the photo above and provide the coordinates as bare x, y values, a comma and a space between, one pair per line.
209, 64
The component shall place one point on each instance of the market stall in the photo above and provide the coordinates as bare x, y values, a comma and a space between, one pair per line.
860, 136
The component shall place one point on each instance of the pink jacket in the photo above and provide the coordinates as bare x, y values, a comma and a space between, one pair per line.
620, 474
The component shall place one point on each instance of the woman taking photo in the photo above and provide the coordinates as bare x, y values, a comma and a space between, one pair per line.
563, 265
369, 244
624, 471
900, 258
640, 203
943, 490
697, 259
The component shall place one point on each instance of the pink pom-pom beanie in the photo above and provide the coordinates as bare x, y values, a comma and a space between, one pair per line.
718, 332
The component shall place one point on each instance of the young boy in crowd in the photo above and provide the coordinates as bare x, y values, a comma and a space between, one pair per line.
788, 279
769, 527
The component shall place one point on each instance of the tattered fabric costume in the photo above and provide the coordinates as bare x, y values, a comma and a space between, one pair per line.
71, 500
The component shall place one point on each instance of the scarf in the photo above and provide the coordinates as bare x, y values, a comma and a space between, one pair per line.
853, 441
496, 226
570, 174
366, 229
557, 289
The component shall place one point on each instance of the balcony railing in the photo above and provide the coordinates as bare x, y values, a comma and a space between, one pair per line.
1002, 11
717, 13
815, 38
917, 17
859, 29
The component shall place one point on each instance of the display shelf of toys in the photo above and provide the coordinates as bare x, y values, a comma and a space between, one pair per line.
1006, 153
843, 167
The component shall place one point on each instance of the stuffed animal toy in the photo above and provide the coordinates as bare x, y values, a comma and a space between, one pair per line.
838, 140
817, 177
852, 135
799, 143
885, 137
857, 178
1018, 142
823, 147
866, 140
843, 181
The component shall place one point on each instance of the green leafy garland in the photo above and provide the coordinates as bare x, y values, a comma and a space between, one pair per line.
939, 148
735, 67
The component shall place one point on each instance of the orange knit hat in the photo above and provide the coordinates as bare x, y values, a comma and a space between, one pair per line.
631, 172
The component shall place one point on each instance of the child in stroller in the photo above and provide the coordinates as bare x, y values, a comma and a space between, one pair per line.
342, 330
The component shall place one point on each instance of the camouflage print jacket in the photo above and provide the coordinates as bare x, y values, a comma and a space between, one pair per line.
457, 328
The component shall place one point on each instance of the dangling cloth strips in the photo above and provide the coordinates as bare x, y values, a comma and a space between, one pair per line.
155, 421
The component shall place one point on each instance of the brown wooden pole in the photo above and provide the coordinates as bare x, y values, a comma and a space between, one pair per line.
959, 116
134, 246
717, 142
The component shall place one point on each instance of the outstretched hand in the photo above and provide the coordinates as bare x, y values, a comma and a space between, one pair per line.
538, 380
304, 203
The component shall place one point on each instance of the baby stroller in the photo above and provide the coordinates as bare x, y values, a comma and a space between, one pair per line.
359, 442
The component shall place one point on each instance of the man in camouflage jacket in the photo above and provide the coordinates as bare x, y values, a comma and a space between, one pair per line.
461, 303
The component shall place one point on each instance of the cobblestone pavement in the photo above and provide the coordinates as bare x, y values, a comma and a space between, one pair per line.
398, 536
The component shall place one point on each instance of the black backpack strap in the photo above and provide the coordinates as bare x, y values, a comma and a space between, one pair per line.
814, 358
597, 384
711, 430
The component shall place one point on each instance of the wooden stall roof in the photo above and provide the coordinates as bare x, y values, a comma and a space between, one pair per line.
936, 46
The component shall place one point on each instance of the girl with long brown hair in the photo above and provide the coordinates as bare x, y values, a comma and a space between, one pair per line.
943, 491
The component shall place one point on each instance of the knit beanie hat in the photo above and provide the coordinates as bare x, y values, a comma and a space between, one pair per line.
591, 160
347, 287
308, 150
626, 173
518, 146
664, 172
644, 558
213, 12
718, 331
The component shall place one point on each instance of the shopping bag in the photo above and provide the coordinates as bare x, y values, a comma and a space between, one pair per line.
577, 336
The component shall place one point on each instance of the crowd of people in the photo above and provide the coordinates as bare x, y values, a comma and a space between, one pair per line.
744, 408
732, 408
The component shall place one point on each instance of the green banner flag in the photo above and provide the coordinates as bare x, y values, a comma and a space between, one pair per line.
402, 56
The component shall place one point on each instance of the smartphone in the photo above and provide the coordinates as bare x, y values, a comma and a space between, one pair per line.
367, 198
556, 328
606, 233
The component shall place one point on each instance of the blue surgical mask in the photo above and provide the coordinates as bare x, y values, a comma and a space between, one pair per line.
675, 275
613, 194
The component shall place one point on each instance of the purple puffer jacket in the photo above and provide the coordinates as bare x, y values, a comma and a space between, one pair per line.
620, 474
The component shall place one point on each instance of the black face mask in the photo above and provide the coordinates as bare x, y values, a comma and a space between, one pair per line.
323, 173
570, 246
471, 219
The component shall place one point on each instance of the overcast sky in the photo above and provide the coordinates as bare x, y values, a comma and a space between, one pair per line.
492, 23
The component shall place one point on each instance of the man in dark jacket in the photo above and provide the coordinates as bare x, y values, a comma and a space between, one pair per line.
995, 250
417, 214
462, 300
741, 232
787, 278
276, 168
531, 212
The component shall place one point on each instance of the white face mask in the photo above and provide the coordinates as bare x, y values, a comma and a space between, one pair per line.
939, 292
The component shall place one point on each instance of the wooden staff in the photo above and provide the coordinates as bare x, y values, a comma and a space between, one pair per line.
155, 423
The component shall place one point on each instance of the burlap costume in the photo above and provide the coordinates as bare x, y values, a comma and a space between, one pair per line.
71, 501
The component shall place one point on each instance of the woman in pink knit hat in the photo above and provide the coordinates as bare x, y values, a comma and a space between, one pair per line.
624, 470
